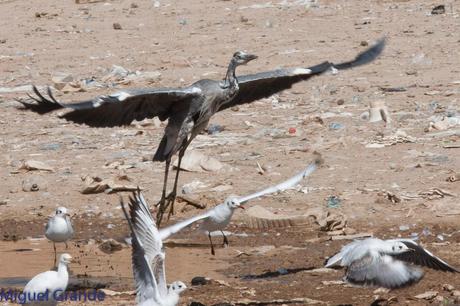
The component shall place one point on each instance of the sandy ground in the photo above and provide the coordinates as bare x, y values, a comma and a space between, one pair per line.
398, 190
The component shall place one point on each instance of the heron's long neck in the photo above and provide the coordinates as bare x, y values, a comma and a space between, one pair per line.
230, 80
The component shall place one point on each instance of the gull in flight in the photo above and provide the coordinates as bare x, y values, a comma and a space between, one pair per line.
217, 218
148, 257
385, 263
49, 283
59, 228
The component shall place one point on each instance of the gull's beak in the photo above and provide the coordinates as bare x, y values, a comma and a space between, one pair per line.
241, 207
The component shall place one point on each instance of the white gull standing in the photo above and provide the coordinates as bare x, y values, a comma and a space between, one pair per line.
217, 218
148, 257
385, 263
59, 228
50, 283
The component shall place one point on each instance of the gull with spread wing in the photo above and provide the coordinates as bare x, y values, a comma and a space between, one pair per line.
386, 263
148, 257
188, 109
217, 218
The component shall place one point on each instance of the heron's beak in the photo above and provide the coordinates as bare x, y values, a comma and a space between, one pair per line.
250, 57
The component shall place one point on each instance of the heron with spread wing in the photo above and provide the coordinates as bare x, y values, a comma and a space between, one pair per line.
188, 109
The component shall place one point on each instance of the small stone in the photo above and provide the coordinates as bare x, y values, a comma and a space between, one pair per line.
34, 183
110, 246
456, 293
428, 295
244, 19
340, 101
117, 26
438, 10
448, 287
134, 5
364, 43
200, 281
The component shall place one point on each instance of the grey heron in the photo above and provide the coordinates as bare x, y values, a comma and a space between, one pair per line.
187, 109
386, 263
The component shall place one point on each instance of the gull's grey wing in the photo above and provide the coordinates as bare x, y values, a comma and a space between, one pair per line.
286, 184
253, 87
172, 229
69, 225
148, 255
120, 108
382, 271
422, 257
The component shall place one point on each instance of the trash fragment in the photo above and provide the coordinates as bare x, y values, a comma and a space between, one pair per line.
95, 184
336, 126
332, 222
195, 161
34, 183
333, 202
258, 217
404, 228
438, 10
110, 246
443, 123
214, 129
193, 187
31, 165
61, 79
378, 112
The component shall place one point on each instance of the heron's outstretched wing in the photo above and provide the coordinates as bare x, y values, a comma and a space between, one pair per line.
253, 87
172, 229
383, 271
120, 108
147, 254
286, 184
422, 257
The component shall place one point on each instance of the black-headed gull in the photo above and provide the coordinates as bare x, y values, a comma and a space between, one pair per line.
217, 218
385, 263
59, 228
43, 288
148, 257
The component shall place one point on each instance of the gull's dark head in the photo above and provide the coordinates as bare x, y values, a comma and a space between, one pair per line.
242, 58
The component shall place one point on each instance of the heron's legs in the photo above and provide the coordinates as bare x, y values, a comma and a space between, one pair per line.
212, 246
225, 244
161, 204
172, 195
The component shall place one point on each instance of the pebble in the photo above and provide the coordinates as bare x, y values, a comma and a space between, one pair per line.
200, 281
117, 26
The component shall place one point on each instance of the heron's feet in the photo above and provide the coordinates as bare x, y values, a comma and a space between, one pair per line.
163, 205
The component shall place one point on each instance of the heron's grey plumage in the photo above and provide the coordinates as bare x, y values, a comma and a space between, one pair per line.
189, 109
387, 263
148, 256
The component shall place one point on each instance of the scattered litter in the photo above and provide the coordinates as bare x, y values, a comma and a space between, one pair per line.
110, 246
109, 292
34, 183
381, 141
442, 123
333, 202
95, 184
214, 129
453, 178
436, 193
378, 111
195, 161
428, 295
258, 217
404, 228
31, 165
193, 187
336, 126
